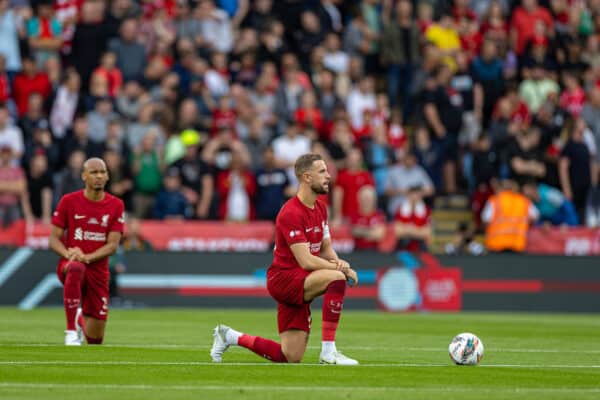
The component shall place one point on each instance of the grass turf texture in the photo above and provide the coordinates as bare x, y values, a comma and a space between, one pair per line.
159, 354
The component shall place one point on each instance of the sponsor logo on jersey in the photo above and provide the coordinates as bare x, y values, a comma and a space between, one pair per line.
315, 248
80, 234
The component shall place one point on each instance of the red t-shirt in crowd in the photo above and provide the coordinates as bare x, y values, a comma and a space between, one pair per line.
419, 215
351, 183
524, 23
298, 223
367, 221
25, 86
223, 119
573, 101
87, 223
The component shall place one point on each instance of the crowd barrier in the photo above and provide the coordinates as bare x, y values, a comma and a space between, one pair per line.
259, 237
389, 282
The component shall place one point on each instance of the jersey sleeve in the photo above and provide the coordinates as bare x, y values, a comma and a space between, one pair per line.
60, 215
118, 218
292, 228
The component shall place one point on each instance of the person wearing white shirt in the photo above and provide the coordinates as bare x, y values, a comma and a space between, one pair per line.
361, 98
288, 148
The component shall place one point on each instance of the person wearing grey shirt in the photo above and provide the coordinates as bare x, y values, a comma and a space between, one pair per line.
402, 177
131, 55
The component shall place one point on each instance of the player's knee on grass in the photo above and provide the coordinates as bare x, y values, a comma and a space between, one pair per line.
293, 355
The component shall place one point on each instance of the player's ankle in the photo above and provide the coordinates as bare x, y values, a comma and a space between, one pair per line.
328, 347
232, 336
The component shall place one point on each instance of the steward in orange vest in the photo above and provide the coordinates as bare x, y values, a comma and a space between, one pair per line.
508, 215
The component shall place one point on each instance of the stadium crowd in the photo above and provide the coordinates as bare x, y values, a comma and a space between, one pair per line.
200, 107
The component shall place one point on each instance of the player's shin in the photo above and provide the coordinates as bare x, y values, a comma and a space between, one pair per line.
72, 292
263, 347
333, 302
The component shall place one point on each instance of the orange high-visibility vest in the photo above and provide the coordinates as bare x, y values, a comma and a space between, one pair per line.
507, 229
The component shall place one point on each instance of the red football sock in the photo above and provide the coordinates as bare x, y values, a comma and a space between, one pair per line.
72, 292
263, 347
333, 301
92, 340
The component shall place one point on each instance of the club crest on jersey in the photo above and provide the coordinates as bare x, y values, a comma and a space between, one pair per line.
104, 220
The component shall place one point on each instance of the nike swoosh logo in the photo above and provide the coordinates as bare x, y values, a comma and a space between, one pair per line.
308, 229
79, 216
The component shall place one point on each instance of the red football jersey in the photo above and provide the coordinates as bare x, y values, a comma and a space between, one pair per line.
297, 223
87, 223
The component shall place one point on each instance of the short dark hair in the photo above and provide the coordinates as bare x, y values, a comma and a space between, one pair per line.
305, 162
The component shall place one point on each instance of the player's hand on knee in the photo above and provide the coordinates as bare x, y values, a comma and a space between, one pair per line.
341, 265
352, 277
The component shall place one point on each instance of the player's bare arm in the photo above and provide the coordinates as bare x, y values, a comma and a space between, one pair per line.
59, 248
112, 242
308, 261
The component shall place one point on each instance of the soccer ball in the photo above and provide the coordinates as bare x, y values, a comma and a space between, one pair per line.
466, 349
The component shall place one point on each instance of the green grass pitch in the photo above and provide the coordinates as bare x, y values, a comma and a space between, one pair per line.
163, 354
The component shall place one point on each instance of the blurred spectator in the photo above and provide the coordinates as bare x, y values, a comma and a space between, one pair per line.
108, 71
10, 135
196, 178
215, 28
287, 98
347, 185
146, 168
572, 98
368, 224
552, 204
132, 237
69, 178
120, 182
472, 94
131, 55
288, 148
535, 91
508, 215
379, 157
525, 158
400, 53
44, 33
576, 167
170, 202
524, 20
591, 116
257, 142
430, 155
99, 118
79, 139
40, 187
67, 101
444, 35
444, 107
33, 117
273, 187
412, 222
361, 98
27, 82
402, 177
90, 28
236, 188
218, 151
143, 126
40, 142
335, 59
11, 33
308, 115
13, 189
309, 36
259, 15
486, 70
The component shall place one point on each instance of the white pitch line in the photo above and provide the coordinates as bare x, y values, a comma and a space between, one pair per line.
263, 364
369, 348
70, 386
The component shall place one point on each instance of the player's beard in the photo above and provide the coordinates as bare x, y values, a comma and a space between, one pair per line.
320, 189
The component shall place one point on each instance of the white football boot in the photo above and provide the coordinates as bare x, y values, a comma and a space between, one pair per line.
220, 344
336, 358
72, 338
